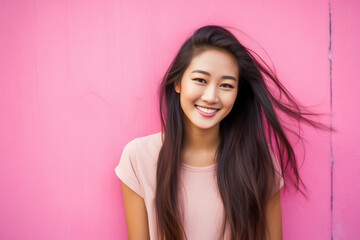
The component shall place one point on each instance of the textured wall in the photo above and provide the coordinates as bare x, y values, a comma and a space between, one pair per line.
78, 80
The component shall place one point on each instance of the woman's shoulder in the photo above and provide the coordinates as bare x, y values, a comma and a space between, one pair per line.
147, 143
151, 139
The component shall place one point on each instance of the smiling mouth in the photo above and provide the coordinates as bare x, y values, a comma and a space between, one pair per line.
207, 110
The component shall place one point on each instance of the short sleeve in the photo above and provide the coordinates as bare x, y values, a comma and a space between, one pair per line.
127, 169
278, 172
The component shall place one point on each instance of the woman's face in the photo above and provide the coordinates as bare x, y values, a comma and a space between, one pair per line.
208, 88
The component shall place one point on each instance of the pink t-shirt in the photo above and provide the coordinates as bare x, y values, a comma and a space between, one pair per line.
203, 209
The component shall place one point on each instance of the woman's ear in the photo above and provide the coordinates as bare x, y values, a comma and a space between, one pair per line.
177, 86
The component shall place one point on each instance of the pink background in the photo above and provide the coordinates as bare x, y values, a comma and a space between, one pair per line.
78, 80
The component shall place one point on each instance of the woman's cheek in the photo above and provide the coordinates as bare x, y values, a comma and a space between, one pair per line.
229, 100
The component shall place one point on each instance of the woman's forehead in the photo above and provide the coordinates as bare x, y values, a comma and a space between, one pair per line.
215, 62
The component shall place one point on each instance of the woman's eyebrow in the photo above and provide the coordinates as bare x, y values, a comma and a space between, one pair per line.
206, 73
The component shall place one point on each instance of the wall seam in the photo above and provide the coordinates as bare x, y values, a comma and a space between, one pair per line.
331, 123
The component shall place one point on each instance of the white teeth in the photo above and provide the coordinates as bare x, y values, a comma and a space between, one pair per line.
207, 110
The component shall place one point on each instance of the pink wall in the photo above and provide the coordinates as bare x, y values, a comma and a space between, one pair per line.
78, 80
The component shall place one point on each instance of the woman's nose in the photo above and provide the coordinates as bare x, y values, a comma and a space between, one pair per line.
210, 94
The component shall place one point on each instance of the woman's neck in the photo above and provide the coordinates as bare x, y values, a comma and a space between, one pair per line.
200, 146
198, 139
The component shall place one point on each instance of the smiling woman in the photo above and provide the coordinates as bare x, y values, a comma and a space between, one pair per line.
212, 171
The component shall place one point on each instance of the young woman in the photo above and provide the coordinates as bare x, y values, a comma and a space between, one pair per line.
212, 172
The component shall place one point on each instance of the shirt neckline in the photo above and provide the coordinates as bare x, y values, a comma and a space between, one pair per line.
199, 169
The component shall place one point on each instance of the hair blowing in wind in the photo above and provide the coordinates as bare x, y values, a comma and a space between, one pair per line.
249, 134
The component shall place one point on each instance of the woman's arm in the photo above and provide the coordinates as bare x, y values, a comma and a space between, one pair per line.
136, 215
273, 217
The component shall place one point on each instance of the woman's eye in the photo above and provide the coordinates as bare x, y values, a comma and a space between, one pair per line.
199, 80
228, 85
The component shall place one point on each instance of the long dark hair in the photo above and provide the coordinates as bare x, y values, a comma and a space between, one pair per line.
249, 134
